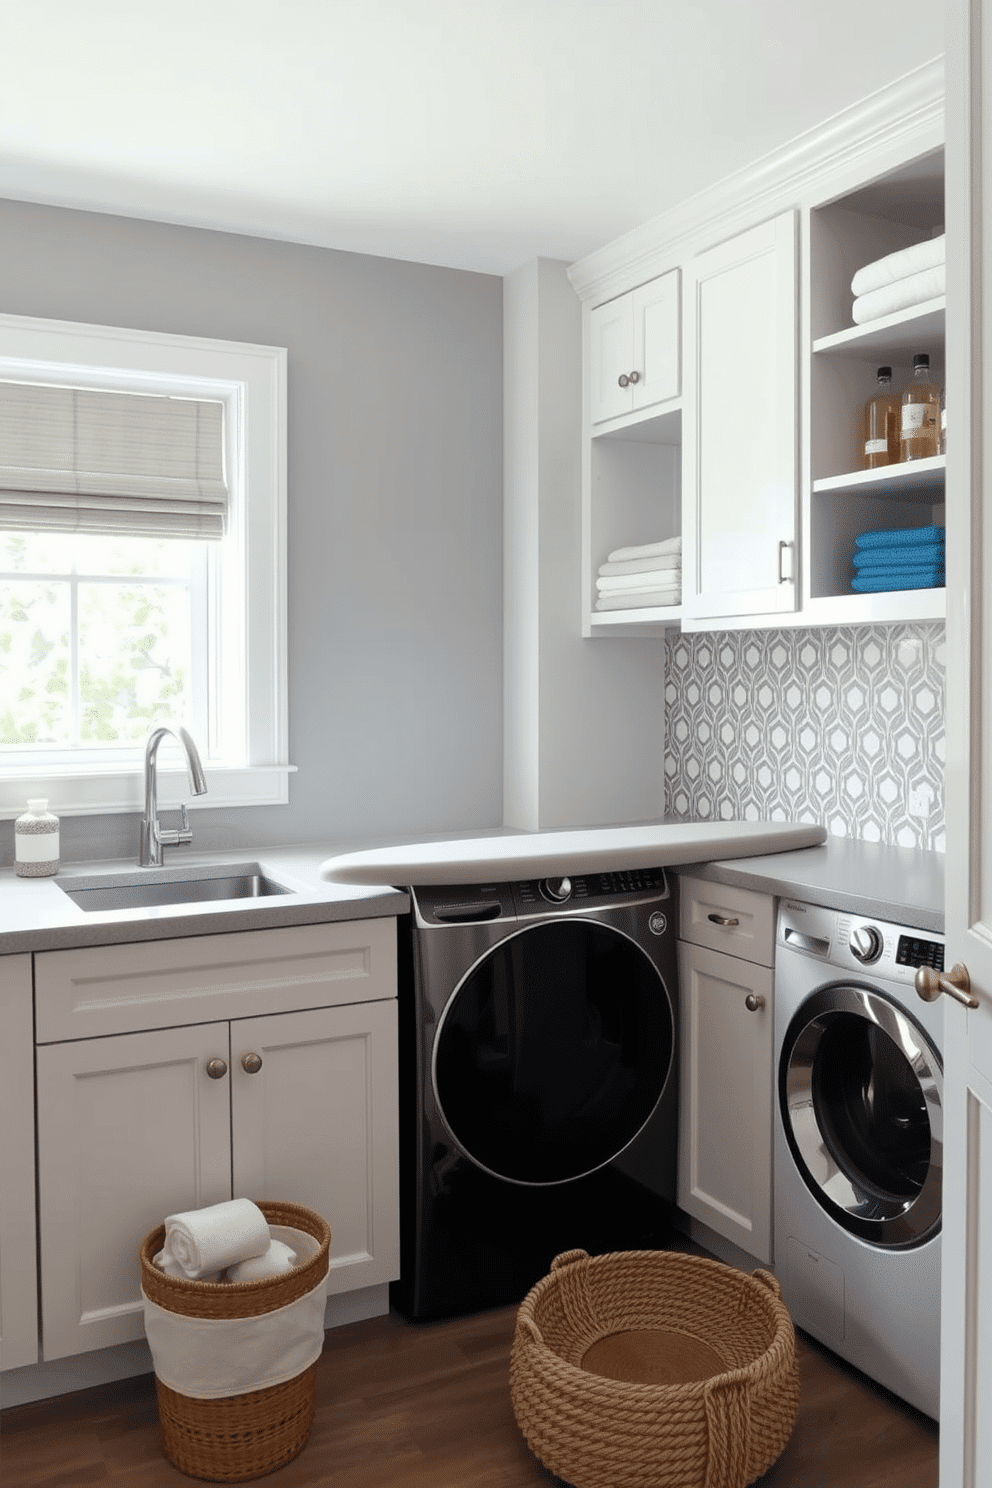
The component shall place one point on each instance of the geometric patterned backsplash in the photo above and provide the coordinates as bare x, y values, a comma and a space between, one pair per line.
843, 726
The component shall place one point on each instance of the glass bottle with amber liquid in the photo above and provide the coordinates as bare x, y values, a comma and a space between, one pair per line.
881, 425
920, 435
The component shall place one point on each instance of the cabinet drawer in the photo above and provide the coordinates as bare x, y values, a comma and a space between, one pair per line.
736, 921
104, 990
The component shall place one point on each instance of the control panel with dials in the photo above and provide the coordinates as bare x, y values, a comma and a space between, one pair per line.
858, 943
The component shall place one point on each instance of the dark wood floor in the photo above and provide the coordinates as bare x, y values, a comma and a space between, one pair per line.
402, 1405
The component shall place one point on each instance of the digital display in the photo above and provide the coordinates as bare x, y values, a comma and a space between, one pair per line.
913, 950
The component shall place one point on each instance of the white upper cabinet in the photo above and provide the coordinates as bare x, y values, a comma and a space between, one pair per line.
635, 359
739, 489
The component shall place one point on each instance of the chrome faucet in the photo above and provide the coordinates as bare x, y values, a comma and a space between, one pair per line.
153, 837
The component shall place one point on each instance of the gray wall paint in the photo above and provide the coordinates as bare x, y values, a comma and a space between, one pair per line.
395, 505
843, 726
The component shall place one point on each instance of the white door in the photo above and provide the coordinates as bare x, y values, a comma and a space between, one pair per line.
657, 357
966, 1304
314, 1121
739, 426
130, 1129
611, 350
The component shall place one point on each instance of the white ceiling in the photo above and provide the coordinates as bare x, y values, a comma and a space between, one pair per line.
473, 133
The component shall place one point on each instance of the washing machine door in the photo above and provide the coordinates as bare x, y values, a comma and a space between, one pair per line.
553, 1051
860, 1093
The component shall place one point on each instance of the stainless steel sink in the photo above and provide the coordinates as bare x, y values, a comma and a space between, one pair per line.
131, 893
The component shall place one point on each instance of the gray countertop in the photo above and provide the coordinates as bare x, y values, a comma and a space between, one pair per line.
899, 884
902, 884
35, 915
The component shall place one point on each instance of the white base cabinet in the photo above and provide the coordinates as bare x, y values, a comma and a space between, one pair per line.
135, 1125
18, 1278
726, 1074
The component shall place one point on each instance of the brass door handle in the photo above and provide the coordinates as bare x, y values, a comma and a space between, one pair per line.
251, 1063
216, 1069
754, 1002
957, 984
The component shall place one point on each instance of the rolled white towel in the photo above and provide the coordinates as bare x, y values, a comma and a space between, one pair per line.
654, 579
276, 1261
929, 284
641, 565
899, 265
211, 1239
646, 550
165, 1262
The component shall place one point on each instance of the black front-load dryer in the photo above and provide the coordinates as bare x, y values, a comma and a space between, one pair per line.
538, 1100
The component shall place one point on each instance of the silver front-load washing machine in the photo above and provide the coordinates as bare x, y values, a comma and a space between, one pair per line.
538, 1101
859, 1143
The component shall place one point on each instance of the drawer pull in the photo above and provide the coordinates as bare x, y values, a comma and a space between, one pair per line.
216, 1069
723, 920
754, 1002
251, 1063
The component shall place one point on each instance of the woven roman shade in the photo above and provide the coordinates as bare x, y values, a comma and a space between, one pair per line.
89, 460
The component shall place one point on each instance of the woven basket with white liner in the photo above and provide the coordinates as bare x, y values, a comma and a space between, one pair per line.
653, 1369
235, 1363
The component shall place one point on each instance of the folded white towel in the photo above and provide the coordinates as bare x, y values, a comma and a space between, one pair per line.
165, 1263
642, 600
899, 265
641, 565
276, 1261
211, 1239
646, 550
655, 579
926, 285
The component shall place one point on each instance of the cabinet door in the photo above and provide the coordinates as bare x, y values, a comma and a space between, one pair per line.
657, 354
130, 1129
739, 431
317, 1124
725, 1098
611, 350
18, 1276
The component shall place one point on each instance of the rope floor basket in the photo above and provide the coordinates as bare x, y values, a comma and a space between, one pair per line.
653, 1369
234, 1438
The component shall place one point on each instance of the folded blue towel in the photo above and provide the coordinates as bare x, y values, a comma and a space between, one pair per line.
907, 556
899, 536
881, 580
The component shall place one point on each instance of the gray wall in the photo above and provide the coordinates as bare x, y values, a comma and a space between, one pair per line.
395, 505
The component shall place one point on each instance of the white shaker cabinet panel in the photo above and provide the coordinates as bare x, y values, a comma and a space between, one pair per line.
130, 1129
635, 355
18, 1282
314, 1121
740, 426
725, 1100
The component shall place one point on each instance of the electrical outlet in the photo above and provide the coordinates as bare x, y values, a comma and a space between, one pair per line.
920, 800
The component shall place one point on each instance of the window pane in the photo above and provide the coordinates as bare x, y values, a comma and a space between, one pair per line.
134, 659
151, 556
37, 552
34, 663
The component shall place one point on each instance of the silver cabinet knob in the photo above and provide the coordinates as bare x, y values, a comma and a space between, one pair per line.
754, 1002
635, 377
623, 380
957, 984
216, 1069
251, 1063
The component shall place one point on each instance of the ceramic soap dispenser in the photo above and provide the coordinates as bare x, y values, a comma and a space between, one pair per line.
36, 841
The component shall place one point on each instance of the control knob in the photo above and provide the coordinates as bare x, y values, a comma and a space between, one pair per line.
865, 944
556, 889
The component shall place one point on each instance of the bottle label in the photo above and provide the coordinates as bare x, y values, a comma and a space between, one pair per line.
915, 415
38, 847
876, 446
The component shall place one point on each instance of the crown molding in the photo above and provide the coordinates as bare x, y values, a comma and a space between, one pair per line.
906, 113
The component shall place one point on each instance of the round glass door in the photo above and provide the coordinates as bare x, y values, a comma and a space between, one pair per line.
553, 1052
861, 1088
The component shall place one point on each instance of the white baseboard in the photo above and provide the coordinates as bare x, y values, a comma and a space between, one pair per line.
126, 1360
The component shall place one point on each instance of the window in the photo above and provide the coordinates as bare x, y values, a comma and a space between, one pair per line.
105, 634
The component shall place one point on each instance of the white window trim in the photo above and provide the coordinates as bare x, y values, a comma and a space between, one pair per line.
252, 381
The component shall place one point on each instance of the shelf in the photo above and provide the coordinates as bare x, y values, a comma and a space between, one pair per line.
647, 621
902, 331
658, 427
903, 606
913, 479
